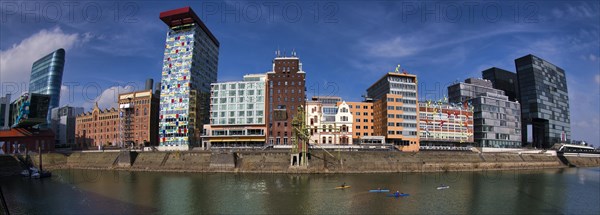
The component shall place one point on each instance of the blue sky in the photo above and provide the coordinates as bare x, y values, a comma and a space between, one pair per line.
112, 47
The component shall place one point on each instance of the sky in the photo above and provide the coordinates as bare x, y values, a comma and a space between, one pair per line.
112, 47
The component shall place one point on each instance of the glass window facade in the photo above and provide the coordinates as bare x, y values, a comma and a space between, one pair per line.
46, 77
544, 102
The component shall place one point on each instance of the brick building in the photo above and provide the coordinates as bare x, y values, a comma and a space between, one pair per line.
97, 128
137, 125
286, 92
16, 140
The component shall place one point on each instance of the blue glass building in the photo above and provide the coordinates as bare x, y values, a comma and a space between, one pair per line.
46, 77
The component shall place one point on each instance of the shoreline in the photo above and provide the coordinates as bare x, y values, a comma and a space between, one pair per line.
261, 162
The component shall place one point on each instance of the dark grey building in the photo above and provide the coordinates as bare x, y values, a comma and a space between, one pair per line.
503, 80
63, 124
5, 112
496, 120
46, 77
544, 102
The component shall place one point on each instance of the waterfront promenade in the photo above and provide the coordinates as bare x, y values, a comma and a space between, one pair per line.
319, 162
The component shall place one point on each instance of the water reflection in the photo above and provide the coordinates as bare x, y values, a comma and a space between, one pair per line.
492, 192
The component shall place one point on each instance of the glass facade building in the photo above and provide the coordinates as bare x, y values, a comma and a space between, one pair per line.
544, 102
189, 67
237, 114
238, 103
496, 120
503, 80
46, 77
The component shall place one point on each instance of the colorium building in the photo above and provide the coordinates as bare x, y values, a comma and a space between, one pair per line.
189, 67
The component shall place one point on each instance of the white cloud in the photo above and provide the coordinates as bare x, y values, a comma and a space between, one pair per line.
16, 61
593, 57
108, 98
597, 79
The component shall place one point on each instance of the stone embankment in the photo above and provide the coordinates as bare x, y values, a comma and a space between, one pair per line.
319, 161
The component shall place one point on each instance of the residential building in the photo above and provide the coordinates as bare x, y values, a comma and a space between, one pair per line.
496, 119
503, 80
362, 124
286, 92
63, 125
46, 78
31, 109
237, 114
20, 140
5, 112
189, 67
97, 128
444, 124
544, 101
329, 123
139, 117
395, 110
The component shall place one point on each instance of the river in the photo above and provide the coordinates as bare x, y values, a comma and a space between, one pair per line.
550, 191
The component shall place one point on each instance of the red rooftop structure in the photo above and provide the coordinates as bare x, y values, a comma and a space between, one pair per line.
16, 140
185, 15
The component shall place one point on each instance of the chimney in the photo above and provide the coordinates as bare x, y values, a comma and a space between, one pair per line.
149, 83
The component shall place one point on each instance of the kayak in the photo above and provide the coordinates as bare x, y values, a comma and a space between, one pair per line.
443, 187
398, 195
342, 187
379, 191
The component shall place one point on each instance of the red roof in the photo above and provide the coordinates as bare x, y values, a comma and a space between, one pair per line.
22, 132
185, 15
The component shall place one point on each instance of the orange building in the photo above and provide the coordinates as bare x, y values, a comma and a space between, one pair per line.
362, 124
395, 110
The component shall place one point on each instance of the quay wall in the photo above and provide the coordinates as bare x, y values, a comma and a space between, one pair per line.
319, 161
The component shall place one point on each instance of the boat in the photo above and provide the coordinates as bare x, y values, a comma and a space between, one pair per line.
25, 173
443, 187
398, 195
379, 191
342, 187
44, 174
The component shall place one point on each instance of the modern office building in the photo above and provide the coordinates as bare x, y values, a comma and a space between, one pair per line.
444, 124
286, 92
237, 114
29, 110
395, 110
362, 124
189, 67
329, 123
503, 80
63, 125
496, 119
544, 102
46, 77
5, 112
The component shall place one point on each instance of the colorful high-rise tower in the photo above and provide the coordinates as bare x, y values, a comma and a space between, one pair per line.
189, 67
